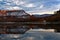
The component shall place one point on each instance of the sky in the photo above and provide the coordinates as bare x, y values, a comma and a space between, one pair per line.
31, 6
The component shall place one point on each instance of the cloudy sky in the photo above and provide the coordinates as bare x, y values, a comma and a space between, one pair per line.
31, 6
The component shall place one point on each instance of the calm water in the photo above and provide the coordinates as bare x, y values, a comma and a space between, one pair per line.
31, 35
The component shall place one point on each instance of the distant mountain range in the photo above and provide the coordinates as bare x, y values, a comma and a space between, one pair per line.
44, 15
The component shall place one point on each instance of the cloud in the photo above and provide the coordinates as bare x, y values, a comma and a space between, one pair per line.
40, 12
13, 8
16, 8
22, 2
19, 2
8, 4
41, 6
29, 5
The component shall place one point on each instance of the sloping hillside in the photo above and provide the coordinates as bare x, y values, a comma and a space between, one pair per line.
54, 18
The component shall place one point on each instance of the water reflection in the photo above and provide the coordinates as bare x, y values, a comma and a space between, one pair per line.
32, 35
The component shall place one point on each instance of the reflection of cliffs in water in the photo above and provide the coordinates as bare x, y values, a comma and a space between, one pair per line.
47, 26
10, 20
50, 22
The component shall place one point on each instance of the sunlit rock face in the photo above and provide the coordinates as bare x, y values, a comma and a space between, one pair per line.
12, 15
16, 12
13, 12
2, 12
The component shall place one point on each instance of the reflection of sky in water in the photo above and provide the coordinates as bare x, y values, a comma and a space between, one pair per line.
35, 35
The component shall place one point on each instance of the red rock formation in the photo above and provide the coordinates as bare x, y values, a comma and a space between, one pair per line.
3, 12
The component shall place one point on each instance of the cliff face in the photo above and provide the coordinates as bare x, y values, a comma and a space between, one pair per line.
53, 18
2, 12
12, 12
13, 15
57, 12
